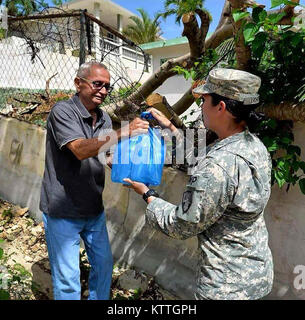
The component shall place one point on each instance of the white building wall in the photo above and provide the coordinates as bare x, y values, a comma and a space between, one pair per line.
175, 87
17, 70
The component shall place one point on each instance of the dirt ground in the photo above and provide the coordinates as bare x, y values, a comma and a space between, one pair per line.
25, 269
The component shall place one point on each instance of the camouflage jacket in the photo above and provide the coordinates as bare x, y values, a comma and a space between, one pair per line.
223, 205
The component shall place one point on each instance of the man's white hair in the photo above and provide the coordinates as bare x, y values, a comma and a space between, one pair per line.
85, 69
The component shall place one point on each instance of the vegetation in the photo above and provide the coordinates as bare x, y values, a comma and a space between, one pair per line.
263, 44
26, 7
143, 29
276, 53
181, 7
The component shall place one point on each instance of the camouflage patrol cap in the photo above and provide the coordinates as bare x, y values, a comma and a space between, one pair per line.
233, 84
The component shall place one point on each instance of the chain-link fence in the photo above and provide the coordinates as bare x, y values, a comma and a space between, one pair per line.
40, 55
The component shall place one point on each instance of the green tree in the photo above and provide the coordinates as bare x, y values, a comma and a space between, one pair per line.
26, 7
181, 7
20, 7
143, 29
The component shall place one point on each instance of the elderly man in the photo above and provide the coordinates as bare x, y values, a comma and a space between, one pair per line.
73, 182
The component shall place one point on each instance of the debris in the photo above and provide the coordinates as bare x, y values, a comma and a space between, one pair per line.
28, 259
7, 110
36, 231
32, 241
20, 211
28, 109
25, 247
132, 280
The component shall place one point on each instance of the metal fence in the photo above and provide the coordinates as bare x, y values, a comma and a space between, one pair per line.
40, 54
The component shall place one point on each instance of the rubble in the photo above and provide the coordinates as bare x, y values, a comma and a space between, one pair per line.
132, 280
26, 259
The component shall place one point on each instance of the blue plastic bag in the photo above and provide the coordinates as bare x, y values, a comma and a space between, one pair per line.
139, 158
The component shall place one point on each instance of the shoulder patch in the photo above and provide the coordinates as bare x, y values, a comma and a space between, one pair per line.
192, 179
187, 200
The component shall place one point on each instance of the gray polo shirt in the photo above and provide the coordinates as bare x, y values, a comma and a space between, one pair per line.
72, 188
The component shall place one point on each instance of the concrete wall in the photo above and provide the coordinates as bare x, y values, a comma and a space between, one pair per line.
173, 262
22, 152
285, 219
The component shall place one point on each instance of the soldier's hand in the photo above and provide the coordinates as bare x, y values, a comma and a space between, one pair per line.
138, 187
161, 118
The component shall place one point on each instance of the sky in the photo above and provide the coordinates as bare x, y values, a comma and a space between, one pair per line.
169, 27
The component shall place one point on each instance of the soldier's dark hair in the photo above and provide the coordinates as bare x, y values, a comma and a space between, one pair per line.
240, 111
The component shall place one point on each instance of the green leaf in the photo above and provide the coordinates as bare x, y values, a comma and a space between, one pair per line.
276, 17
295, 166
296, 39
250, 30
291, 3
302, 185
239, 14
302, 165
294, 149
279, 178
271, 144
4, 295
276, 3
283, 165
193, 74
286, 140
198, 102
272, 123
259, 14
258, 44
1, 253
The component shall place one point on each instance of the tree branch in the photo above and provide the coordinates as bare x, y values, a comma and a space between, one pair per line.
159, 102
157, 79
286, 110
194, 34
289, 10
184, 102
225, 15
48, 86
223, 32
243, 52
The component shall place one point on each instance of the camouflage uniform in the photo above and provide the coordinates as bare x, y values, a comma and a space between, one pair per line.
223, 205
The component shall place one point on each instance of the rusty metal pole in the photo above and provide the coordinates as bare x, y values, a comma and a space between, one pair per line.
82, 39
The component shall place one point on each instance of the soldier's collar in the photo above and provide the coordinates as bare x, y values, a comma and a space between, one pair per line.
233, 138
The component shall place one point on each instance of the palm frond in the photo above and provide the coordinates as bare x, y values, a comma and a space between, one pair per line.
227, 50
143, 29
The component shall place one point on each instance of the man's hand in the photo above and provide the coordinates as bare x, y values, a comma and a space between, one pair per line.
136, 126
109, 159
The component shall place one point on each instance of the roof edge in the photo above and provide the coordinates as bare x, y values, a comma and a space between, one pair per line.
164, 43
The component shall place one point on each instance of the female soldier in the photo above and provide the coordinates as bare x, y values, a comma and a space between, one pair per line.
224, 201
